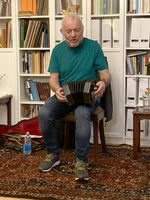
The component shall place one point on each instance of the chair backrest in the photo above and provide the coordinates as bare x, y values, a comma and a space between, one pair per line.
106, 102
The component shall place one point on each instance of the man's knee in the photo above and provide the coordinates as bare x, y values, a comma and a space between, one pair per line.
81, 112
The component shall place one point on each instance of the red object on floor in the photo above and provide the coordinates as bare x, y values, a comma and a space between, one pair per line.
31, 125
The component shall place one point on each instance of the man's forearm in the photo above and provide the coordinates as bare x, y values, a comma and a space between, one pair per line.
105, 77
54, 84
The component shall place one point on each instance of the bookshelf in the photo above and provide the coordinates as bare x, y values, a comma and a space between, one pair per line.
136, 64
106, 25
33, 28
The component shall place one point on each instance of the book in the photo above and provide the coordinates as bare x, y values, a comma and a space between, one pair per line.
22, 33
44, 90
136, 53
34, 7
2, 37
28, 90
130, 65
34, 91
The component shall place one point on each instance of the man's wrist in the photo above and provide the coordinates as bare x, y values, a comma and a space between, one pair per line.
104, 81
57, 89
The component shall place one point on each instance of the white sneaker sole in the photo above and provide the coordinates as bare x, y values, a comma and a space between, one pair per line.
85, 179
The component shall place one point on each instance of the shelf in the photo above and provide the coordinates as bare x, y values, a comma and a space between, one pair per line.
34, 75
6, 18
138, 15
34, 17
32, 102
105, 16
34, 49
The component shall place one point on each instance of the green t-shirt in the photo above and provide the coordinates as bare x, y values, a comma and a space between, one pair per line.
79, 63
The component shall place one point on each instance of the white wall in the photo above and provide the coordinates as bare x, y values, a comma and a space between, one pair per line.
8, 83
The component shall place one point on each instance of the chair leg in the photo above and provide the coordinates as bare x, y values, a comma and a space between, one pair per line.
95, 134
66, 135
102, 136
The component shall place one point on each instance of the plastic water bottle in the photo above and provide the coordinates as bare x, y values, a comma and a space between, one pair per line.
27, 147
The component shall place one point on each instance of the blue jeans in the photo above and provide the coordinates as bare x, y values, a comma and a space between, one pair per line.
51, 111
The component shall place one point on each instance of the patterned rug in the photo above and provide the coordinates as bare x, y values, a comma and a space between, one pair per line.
117, 176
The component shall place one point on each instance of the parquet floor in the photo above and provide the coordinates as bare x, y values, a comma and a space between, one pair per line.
9, 198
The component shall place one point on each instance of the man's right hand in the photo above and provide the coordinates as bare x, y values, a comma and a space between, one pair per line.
60, 94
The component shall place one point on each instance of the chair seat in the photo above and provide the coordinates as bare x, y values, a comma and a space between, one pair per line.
98, 126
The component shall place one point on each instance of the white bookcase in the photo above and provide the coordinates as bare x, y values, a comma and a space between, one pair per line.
136, 57
111, 40
33, 53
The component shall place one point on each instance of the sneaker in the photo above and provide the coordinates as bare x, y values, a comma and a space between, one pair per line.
81, 170
51, 161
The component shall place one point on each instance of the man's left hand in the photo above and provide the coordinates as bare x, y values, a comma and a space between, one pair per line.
100, 89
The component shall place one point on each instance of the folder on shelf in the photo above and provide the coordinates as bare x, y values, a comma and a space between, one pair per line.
96, 30
144, 32
135, 33
129, 122
132, 91
116, 33
58, 35
115, 6
106, 33
143, 84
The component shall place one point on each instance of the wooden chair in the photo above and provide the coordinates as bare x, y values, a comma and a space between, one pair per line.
98, 125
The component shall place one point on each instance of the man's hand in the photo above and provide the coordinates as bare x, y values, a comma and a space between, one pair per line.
60, 94
99, 89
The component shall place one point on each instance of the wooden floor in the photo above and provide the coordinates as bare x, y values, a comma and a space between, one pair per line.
9, 198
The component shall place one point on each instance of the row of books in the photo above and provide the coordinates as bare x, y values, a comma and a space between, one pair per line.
5, 35
138, 6
5, 8
37, 91
34, 34
105, 7
35, 62
29, 111
33, 7
138, 63
64, 6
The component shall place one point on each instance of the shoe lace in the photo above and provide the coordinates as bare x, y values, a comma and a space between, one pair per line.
49, 157
81, 165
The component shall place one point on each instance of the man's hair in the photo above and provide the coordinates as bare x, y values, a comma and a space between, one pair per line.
72, 16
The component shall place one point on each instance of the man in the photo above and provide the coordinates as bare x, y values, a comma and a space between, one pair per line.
76, 58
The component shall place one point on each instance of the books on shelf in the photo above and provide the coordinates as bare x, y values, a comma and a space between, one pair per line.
5, 35
138, 6
5, 8
33, 7
35, 62
37, 91
34, 34
29, 111
137, 62
105, 7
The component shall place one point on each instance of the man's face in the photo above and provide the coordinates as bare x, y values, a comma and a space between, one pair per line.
72, 32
